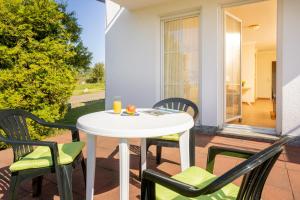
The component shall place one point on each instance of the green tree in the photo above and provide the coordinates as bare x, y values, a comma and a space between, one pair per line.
97, 74
39, 45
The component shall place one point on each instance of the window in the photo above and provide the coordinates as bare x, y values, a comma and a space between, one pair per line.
181, 58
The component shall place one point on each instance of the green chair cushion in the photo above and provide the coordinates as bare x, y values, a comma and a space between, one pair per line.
41, 156
172, 137
197, 177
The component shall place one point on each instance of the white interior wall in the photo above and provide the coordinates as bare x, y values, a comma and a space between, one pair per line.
264, 73
248, 71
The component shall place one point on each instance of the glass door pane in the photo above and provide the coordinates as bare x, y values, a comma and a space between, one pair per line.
232, 67
181, 58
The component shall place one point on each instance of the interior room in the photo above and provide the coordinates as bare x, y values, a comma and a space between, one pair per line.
257, 56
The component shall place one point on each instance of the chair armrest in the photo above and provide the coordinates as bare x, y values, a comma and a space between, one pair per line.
73, 129
213, 151
52, 145
56, 125
170, 183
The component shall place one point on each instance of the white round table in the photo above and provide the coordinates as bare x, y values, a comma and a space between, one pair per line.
143, 126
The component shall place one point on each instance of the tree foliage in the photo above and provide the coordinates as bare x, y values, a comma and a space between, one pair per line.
40, 47
97, 74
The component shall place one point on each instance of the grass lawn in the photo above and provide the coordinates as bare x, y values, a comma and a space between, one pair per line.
88, 107
91, 88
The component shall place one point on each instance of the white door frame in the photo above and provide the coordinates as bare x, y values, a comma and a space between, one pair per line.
224, 61
278, 129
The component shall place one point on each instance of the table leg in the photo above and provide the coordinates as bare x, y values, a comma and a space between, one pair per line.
143, 154
184, 150
91, 162
124, 169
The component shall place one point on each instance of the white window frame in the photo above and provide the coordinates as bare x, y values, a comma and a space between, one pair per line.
178, 16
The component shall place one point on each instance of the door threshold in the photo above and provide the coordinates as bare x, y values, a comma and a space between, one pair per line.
247, 133
256, 129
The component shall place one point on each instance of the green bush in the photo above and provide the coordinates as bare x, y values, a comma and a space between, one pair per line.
39, 48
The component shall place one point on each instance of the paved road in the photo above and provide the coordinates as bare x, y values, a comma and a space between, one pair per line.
77, 100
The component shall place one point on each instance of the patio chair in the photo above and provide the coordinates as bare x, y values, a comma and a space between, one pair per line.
197, 183
173, 139
47, 157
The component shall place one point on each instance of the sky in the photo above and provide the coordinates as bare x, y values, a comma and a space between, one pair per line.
91, 17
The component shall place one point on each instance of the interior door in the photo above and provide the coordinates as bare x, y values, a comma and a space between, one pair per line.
232, 58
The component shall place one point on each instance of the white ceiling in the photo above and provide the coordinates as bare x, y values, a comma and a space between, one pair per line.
262, 13
132, 5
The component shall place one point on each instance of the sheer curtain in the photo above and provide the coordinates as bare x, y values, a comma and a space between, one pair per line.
233, 67
181, 58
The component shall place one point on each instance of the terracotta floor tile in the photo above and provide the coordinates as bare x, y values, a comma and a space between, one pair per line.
279, 178
275, 193
293, 166
295, 182
200, 159
280, 164
223, 164
281, 184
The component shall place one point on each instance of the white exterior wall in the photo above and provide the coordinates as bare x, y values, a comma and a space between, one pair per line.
112, 10
289, 62
133, 58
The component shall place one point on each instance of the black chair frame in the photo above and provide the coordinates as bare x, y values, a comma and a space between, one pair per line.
13, 123
254, 170
176, 104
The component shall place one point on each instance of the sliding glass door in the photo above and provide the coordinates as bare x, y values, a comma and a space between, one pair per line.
232, 49
181, 58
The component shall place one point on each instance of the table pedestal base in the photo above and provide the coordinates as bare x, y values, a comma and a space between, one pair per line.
124, 169
184, 148
91, 163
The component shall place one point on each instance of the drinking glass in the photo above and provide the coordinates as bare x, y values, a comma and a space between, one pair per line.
117, 105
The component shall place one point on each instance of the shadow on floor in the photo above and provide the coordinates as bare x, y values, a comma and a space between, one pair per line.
4, 182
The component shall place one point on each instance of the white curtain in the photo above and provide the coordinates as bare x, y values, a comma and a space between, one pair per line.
181, 58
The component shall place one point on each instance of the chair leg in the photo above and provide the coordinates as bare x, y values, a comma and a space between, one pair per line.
37, 186
13, 187
140, 168
83, 166
158, 154
67, 181
147, 190
192, 148
60, 176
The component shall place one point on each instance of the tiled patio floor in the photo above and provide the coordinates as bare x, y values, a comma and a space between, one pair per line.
282, 184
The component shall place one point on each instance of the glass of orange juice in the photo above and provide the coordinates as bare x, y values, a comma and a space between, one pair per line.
117, 105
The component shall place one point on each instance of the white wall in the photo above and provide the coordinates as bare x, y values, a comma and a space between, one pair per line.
133, 58
248, 71
112, 9
289, 63
264, 73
